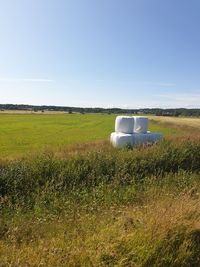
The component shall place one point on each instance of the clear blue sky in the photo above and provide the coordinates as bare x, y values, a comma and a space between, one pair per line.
107, 53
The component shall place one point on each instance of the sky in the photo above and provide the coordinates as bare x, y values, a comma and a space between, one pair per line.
100, 53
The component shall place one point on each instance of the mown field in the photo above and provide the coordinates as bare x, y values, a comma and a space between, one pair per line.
28, 133
79, 202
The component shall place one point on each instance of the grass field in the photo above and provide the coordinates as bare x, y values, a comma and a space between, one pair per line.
188, 122
100, 207
27, 133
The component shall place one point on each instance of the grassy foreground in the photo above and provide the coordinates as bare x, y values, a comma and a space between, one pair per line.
92, 205
103, 208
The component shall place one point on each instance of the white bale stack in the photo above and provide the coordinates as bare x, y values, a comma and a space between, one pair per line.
132, 131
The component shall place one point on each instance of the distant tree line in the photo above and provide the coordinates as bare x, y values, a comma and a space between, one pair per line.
176, 112
154, 111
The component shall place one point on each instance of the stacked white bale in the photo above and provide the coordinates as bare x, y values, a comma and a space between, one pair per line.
156, 137
147, 138
124, 124
132, 131
150, 137
140, 124
112, 138
121, 140
140, 139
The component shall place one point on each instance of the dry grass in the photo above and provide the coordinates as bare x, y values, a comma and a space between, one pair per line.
78, 149
188, 122
110, 236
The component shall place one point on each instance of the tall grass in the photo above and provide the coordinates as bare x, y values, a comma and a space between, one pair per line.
156, 225
104, 207
25, 179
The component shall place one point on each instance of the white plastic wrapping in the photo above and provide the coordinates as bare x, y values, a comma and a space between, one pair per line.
140, 124
124, 124
121, 140
140, 139
147, 138
156, 137
112, 138
132, 131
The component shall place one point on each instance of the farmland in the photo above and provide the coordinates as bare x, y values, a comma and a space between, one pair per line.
28, 133
69, 199
186, 122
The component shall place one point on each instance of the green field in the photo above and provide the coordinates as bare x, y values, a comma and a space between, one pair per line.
27, 133
101, 207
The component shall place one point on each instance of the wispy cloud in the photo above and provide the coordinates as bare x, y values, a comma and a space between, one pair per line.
166, 84
31, 80
44, 80
181, 99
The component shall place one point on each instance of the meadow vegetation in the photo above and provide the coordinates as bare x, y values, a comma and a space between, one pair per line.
30, 133
92, 205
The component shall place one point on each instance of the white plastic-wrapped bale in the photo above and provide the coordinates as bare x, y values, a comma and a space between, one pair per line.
140, 124
121, 140
112, 138
156, 137
140, 139
124, 124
